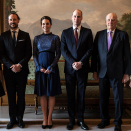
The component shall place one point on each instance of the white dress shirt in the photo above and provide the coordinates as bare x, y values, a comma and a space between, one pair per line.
16, 33
78, 30
112, 34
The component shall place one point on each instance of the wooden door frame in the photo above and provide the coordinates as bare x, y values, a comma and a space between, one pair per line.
1, 16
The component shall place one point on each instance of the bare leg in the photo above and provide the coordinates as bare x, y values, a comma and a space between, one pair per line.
43, 101
51, 107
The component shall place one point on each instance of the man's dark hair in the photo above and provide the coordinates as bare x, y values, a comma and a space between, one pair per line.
14, 13
46, 17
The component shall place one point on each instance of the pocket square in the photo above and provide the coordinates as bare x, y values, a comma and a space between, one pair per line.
21, 40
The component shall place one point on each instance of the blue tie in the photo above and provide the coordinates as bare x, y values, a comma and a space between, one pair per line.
14, 39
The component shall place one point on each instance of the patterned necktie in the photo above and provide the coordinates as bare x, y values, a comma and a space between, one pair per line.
109, 39
14, 38
76, 36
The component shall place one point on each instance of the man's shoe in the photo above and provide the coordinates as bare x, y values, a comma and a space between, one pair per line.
21, 124
70, 125
83, 125
117, 128
11, 124
103, 124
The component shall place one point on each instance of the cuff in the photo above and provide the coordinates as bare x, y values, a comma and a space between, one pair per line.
20, 65
51, 69
81, 63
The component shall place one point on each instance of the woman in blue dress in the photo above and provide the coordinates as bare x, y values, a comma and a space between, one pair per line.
46, 53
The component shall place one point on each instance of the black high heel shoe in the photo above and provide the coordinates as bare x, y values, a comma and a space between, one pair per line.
50, 126
44, 126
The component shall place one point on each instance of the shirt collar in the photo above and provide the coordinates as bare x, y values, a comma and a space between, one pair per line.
112, 31
17, 30
79, 27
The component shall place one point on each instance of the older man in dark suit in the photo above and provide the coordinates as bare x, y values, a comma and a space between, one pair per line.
111, 63
16, 50
76, 47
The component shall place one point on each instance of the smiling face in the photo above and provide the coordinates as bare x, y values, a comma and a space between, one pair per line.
46, 25
111, 21
76, 18
13, 21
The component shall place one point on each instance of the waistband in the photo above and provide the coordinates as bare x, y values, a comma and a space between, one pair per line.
46, 51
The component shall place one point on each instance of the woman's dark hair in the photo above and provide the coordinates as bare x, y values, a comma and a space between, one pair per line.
14, 13
46, 17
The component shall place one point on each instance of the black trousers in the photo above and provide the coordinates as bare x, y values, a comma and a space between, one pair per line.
16, 84
104, 94
71, 80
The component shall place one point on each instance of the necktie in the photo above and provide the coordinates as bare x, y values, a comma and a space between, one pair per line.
14, 39
109, 39
76, 36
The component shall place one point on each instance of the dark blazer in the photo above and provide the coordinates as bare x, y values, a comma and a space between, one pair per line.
11, 54
2, 92
82, 52
116, 61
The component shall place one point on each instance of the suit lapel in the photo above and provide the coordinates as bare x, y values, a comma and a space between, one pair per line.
80, 37
9, 36
104, 46
11, 40
18, 37
116, 34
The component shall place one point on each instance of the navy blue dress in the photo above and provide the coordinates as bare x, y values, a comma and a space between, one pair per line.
46, 53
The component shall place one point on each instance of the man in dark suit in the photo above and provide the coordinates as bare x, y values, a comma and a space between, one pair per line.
76, 47
2, 92
16, 50
111, 56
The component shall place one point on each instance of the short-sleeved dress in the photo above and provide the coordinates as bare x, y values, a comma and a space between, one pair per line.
46, 53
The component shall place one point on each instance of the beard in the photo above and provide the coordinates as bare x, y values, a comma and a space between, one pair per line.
14, 27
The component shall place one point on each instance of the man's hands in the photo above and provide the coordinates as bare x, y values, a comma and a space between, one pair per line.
125, 78
45, 71
95, 76
76, 65
16, 68
130, 82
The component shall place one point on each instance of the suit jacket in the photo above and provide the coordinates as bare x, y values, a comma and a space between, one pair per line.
2, 92
72, 53
11, 54
116, 61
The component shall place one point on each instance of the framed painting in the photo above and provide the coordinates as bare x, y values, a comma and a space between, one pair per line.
94, 14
